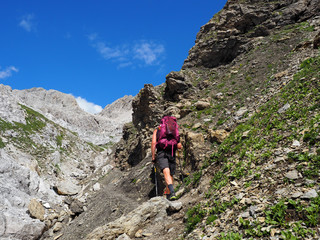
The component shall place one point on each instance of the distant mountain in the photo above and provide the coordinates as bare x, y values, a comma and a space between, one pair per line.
47, 155
63, 109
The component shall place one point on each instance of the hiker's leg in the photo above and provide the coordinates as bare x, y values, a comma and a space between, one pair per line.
167, 176
163, 163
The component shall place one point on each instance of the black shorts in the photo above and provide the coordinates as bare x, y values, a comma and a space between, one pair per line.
166, 160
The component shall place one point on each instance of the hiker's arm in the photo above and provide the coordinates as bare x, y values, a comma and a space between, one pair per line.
153, 145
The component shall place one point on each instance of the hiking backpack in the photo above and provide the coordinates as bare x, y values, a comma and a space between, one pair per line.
168, 134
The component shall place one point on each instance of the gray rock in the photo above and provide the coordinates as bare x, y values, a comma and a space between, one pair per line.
241, 112
67, 187
245, 214
270, 167
252, 210
282, 191
76, 207
296, 195
10, 110
16, 225
310, 194
296, 143
123, 237
133, 221
284, 108
293, 175
240, 196
175, 206
106, 169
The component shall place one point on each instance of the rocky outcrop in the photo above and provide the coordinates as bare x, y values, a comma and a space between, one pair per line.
9, 107
176, 85
133, 224
229, 33
19, 184
146, 108
37, 155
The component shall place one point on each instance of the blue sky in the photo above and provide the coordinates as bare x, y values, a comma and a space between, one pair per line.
97, 50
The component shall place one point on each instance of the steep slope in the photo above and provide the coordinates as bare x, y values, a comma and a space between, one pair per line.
63, 109
44, 166
247, 100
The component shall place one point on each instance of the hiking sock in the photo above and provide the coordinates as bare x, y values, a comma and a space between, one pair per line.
170, 186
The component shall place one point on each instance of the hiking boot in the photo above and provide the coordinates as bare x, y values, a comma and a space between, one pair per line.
172, 196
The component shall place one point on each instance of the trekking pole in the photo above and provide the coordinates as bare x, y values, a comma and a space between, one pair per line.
155, 179
181, 173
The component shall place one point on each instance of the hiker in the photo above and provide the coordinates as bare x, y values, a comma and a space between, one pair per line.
165, 142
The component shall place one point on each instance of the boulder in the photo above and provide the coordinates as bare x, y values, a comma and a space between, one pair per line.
132, 222
200, 105
36, 209
310, 194
175, 85
67, 187
195, 147
76, 207
145, 110
293, 175
218, 135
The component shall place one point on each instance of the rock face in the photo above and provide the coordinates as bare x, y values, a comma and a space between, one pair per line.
18, 185
63, 109
42, 160
229, 32
9, 107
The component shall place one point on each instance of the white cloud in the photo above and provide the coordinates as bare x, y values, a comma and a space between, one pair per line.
7, 72
108, 52
27, 23
143, 53
88, 106
148, 52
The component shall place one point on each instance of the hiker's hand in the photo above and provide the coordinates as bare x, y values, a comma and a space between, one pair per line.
179, 146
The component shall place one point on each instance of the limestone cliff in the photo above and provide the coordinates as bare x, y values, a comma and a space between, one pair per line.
43, 162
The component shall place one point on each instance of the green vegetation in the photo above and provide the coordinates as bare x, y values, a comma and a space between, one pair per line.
2, 145
28, 136
292, 114
59, 139
298, 27
230, 236
194, 216
290, 215
35, 122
